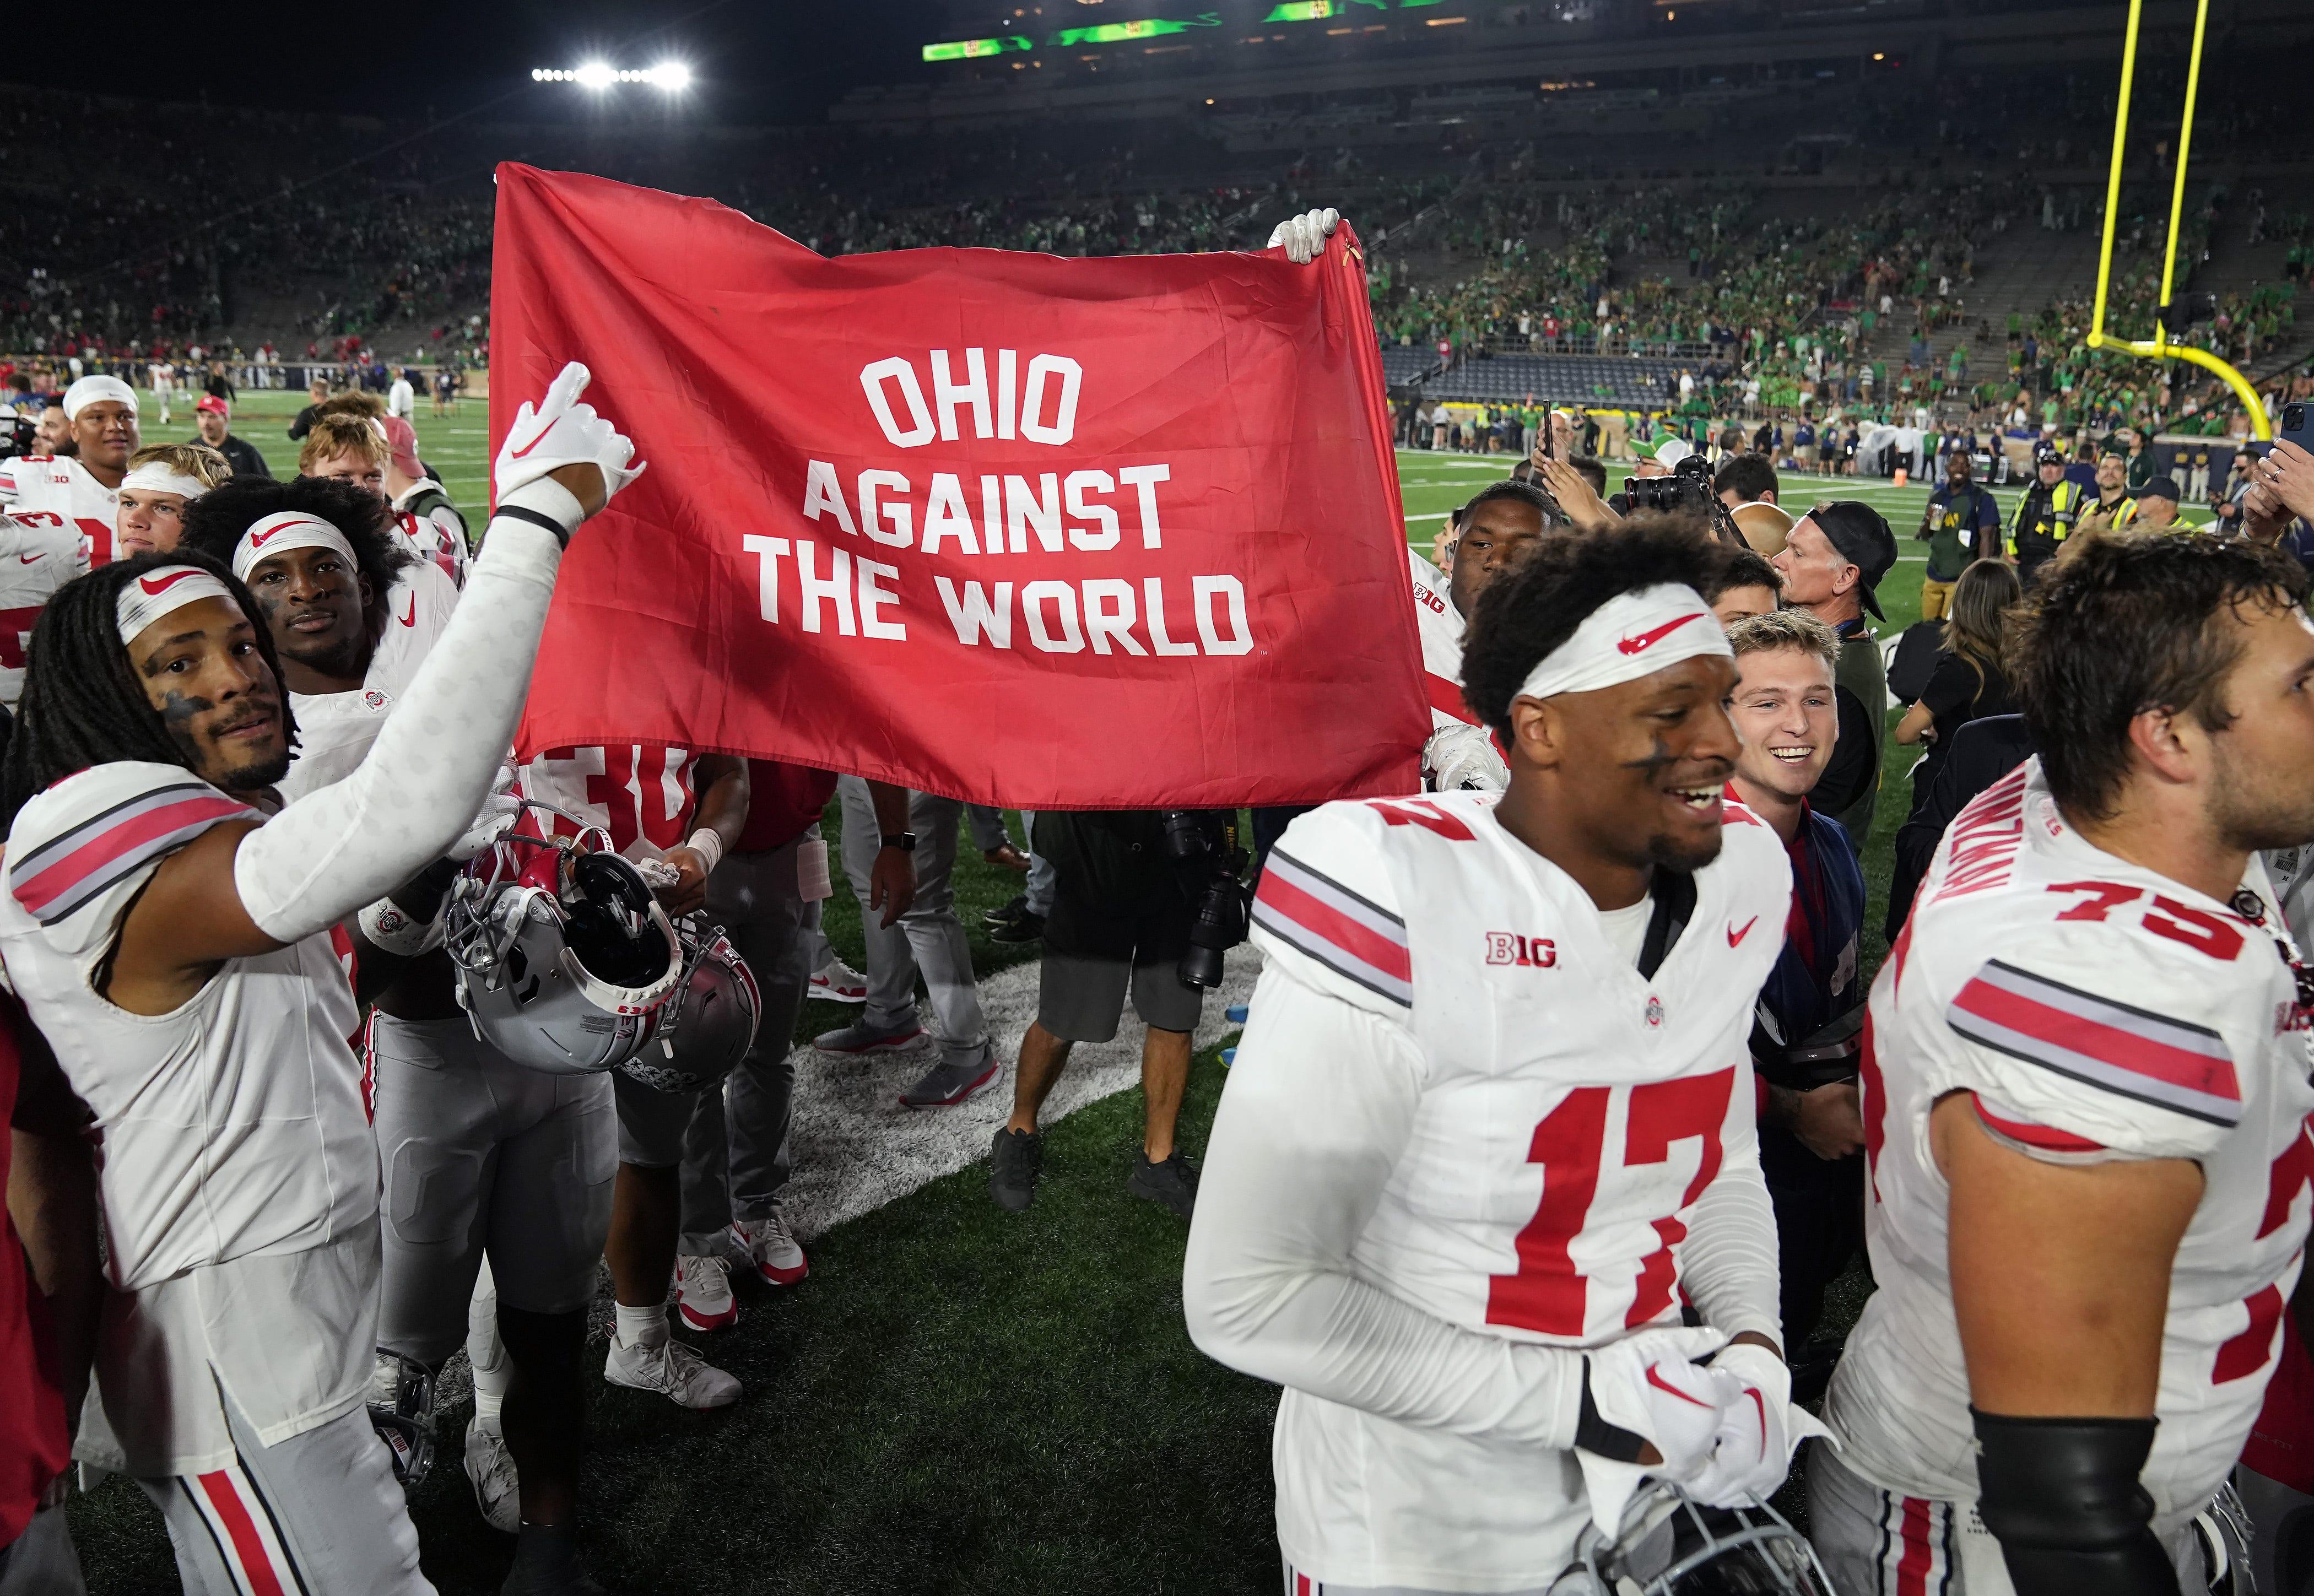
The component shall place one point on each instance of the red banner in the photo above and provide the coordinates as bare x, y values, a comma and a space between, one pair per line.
1111, 533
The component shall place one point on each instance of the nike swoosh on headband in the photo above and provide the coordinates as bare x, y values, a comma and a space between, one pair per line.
1649, 639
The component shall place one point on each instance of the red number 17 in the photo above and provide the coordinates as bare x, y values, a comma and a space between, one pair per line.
1547, 1293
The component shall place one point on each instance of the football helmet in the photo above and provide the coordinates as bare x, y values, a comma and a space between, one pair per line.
566, 961
402, 1412
709, 1022
1672, 1547
2223, 1533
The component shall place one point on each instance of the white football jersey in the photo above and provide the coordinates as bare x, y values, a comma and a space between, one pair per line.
643, 797
438, 537
1440, 626
1571, 1113
39, 486
39, 554
2094, 1010
230, 1128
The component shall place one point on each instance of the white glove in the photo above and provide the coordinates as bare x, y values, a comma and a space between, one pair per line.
1462, 758
1650, 1385
559, 432
1303, 237
500, 809
1752, 1451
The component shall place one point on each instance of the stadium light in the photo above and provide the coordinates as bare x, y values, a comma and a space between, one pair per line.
673, 77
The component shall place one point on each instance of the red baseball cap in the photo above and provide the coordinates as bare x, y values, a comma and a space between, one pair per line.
401, 440
210, 402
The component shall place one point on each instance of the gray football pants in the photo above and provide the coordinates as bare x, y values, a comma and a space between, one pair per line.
929, 935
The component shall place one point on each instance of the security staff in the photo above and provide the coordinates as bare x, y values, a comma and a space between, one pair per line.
2045, 514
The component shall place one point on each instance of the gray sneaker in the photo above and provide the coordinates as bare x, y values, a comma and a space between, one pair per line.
952, 1081
860, 1037
1172, 1182
1014, 1162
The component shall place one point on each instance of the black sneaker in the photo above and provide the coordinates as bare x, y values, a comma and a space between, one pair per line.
1014, 1162
1008, 912
1023, 927
1172, 1182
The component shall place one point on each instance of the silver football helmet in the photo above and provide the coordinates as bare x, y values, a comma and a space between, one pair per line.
1672, 1547
709, 1022
566, 961
2224, 1533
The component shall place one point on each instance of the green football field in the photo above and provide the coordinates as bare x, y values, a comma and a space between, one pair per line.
956, 1400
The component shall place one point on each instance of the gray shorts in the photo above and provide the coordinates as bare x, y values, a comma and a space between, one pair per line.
480, 1153
651, 1122
1080, 998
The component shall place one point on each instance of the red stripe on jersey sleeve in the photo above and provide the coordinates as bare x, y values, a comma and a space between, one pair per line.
1329, 924
2107, 1044
2047, 1138
1446, 697
108, 847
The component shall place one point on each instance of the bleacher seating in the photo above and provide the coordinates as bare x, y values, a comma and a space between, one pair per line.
1592, 379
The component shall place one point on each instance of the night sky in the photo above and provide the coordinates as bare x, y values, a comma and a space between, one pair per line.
755, 60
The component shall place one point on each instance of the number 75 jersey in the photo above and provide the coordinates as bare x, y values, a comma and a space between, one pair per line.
1572, 1110
2094, 1010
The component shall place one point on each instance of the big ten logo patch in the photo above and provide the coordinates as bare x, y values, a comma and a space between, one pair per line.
1527, 953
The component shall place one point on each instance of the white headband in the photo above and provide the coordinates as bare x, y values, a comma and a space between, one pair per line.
283, 531
1633, 635
89, 391
157, 591
152, 477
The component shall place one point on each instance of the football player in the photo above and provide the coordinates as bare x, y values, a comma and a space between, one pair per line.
169, 930
480, 1155
163, 479
82, 491
677, 813
1491, 1123
1502, 521
352, 439
2085, 1097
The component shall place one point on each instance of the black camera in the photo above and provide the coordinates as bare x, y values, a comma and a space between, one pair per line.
20, 436
1203, 845
1688, 488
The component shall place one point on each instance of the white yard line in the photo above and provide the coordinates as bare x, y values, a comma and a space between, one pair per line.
856, 1149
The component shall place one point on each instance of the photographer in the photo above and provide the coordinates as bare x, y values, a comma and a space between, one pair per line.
1130, 889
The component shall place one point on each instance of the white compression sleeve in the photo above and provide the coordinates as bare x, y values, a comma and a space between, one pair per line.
333, 851
1729, 1266
1318, 1107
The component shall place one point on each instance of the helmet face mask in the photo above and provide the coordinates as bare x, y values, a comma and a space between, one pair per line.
1673, 1547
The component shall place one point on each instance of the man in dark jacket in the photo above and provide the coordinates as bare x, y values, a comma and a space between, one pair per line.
214, 416
1834, 558
1805, 1029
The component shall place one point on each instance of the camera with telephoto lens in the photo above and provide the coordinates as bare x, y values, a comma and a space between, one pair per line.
1203, 845
1688, 488
20, 436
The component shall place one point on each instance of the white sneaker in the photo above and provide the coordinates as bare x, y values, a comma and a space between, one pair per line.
672, 1370
838, 982
497, 1491
702, 1293
771, 1247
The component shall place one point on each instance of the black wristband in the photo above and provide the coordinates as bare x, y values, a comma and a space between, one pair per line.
515, 512
1600, 1439
2061, 1495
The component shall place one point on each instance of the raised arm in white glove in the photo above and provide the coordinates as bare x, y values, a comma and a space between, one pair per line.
1303, 237
344, 846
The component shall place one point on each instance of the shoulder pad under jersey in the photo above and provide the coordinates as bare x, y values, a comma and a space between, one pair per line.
79, 852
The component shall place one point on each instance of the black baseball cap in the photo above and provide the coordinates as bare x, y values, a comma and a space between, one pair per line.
2160, 488
1861, 535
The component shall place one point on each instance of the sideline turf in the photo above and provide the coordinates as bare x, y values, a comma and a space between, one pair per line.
958, 1400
